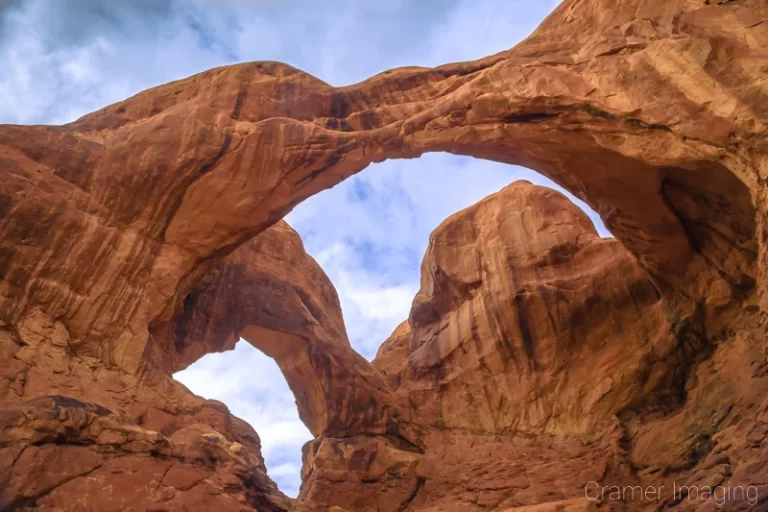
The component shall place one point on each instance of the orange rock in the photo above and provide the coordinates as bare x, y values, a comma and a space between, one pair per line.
537, 357
515, 322
271, 293
581, 505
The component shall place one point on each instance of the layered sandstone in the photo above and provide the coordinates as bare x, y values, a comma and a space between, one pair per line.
123, 234
517, 320
270, 293
539, 357
123, 441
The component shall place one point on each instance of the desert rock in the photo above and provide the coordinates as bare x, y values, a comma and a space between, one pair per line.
640, 359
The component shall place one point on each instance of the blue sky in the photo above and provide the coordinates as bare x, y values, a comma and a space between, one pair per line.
64, 58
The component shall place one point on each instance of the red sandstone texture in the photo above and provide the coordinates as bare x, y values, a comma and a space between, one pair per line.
537, 358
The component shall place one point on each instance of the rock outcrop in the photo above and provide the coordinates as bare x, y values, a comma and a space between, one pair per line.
142, 441
517, 320
641, 360
272, 294
539, 357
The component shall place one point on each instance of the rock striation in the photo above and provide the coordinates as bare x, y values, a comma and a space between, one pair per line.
516, 322
275, 296
142, 441
537, 358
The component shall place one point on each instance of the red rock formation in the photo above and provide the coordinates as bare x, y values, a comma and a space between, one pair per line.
125, 441
539, 357
516, 323
652, 112
272, 294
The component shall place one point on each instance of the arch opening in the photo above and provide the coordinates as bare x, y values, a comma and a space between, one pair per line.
361, 252
371, 231
254, 389
369, 234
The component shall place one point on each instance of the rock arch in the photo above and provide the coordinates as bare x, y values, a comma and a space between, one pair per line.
275, 296
654, 113
167, 182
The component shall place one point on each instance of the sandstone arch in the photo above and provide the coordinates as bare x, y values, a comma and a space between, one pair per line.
274, 295
167, 182
652, 112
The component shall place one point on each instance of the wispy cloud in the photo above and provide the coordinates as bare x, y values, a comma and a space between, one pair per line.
64, 58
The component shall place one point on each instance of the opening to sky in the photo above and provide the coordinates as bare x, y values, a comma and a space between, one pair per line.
253, 388
369, 234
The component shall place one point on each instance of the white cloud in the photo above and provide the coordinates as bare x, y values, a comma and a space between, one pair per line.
372, 301
64, 59
476, 29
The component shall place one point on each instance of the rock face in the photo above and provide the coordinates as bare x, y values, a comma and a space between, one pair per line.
535, 355
515, 323
272, 294
144, 435
537, 358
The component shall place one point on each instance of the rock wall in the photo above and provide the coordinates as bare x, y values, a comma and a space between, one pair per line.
539, 357
120, 441
636, 360
517, 321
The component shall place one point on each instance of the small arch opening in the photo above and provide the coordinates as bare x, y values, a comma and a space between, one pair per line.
254, 389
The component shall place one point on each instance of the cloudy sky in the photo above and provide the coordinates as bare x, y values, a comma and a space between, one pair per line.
64, 58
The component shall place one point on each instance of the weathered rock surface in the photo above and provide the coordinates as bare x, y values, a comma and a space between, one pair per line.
517, 320
272, 294
143, 441
122, 234
539, 357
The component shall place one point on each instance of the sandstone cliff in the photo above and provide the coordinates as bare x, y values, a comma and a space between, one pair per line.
539, 357
123, 441
536, 358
